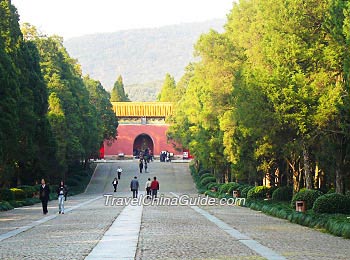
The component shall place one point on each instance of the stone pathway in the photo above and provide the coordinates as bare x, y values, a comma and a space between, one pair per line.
92, 230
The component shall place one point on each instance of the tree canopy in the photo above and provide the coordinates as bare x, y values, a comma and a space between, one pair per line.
269, 99
51, 118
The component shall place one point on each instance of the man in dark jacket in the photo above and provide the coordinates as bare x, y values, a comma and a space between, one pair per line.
134, 186
44, 195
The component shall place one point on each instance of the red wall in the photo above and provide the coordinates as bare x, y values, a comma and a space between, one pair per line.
128, 133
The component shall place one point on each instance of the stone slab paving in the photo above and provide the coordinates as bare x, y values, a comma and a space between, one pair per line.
68, 236
178, 232
120, 240
167, 232
290, 240
25, 216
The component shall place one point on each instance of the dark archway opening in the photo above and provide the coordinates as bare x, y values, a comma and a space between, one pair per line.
143, 144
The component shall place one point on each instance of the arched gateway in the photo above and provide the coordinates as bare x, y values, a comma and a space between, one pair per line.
141, 126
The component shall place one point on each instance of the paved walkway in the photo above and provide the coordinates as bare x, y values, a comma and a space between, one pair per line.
92, 230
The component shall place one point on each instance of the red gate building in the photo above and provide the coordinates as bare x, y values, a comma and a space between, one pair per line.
142, 125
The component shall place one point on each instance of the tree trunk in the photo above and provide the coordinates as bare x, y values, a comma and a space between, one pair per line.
307, 168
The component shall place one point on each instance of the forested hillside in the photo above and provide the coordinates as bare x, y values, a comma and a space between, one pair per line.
142, 57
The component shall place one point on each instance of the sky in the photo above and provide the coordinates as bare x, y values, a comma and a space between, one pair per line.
72, 18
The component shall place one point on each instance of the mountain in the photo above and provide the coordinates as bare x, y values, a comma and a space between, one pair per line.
141, 56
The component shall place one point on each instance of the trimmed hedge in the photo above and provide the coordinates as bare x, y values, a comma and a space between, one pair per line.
5, 205
332, 203
203, 171
207, 180
335, 224
201, 177
258, 192
283, 194
244, 192
309, 196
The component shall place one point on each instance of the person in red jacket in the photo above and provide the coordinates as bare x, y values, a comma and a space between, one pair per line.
154, 187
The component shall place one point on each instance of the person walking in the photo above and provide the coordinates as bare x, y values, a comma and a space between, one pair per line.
146, 166
154, 187
141, 165
62, 195
148, 188
134, 186
44, 194
119, 171
115, 184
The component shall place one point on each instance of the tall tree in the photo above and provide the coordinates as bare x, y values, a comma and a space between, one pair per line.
118, 92
168, 90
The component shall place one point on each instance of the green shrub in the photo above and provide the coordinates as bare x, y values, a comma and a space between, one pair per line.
18, 194
309, 196
5, 205
332, 190
207, 180
205, 176
332, 203
244, 192
228, 188
283, 194
6, 195
28, 190
211, 194
258, 192
270, 191
203, 172
233, 186
16, 203
53, 188
212, 185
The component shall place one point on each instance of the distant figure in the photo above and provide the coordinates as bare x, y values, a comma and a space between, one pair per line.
44, 195
154, 187
141, 165
148, 188
134, 186
119, 171
62, 192
115, 184
146, 166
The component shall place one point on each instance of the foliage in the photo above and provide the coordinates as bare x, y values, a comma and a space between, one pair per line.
264, 99
332, 203
258, 192
309, 196
142, 56
204, 175
49, 120
18, 194
228, 188
168, 90
283, 194
5, 205
335, 224
6, 195
118, 92
244, 192
205, 181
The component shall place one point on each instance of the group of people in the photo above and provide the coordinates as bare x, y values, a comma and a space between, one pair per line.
165, 156
151, 187
44, 196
